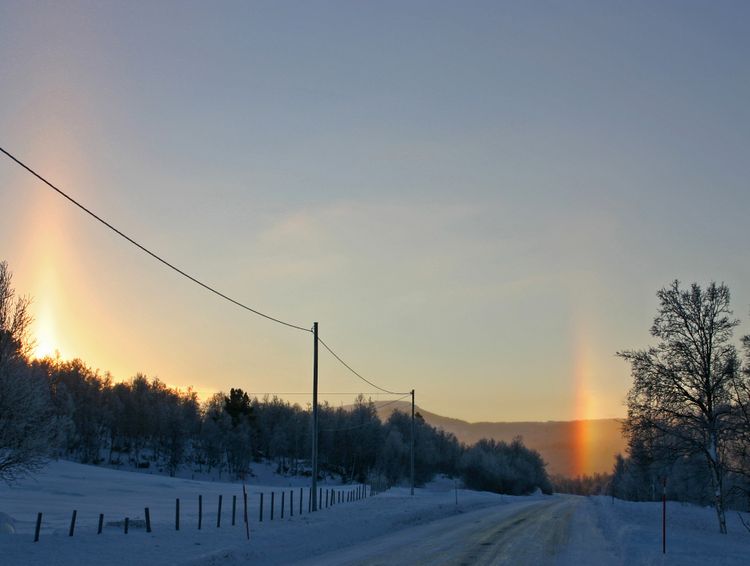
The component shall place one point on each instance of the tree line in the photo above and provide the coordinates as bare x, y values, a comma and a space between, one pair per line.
63, 408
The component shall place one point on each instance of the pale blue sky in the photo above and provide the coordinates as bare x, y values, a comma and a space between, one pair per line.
478, 200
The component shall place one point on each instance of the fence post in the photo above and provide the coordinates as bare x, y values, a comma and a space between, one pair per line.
38, 527
300, 501
177, 514
148, 520
273, 496
72, 523
218, 513
664, 516
261, 508
326, 499
234, 508
291, 503
247, 523
127, 520
309, 499
282, 503
200, 511
101, 524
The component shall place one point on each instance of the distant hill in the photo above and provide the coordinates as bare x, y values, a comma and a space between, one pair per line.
600, 439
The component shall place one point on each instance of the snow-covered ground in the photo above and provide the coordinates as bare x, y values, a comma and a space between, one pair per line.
484, 527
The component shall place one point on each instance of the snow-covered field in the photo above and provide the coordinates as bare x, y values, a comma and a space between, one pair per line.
572, 530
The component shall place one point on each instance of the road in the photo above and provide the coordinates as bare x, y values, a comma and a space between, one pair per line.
532, 533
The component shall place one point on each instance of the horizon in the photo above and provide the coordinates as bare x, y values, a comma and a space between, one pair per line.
474, 203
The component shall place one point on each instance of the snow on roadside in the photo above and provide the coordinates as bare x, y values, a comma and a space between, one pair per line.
635, 532
64, 486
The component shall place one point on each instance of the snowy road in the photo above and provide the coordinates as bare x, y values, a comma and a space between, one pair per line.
519, 533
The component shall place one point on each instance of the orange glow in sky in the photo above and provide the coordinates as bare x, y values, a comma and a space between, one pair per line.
584, 401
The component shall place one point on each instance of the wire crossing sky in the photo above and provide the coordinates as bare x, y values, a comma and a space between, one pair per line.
478, 200
183, 273
148, 251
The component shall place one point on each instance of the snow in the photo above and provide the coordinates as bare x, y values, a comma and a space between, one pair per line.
634, 531
564, 530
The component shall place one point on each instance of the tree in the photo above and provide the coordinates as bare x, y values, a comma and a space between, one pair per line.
739, 450
15, 321
27, 424
504, 468
682, 387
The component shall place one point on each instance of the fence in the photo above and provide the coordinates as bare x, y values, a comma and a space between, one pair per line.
328, 497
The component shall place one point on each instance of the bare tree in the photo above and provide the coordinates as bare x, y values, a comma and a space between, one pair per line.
682, 387
27, 423
15, 320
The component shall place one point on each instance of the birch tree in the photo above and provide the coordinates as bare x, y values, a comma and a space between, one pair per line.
682, 386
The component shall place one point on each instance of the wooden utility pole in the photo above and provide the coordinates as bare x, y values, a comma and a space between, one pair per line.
412, 442
314, 488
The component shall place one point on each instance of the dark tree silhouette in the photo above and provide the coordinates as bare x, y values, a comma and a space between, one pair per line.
681, 394
27, 424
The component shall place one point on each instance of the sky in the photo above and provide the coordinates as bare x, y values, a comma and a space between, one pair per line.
477, 200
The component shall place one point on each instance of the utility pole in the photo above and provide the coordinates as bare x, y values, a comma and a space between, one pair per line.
412, 442
314, 488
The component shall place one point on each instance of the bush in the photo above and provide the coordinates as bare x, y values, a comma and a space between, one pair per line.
504, 468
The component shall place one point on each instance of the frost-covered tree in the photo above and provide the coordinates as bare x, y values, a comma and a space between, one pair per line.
27, 423
504, 468
682, 387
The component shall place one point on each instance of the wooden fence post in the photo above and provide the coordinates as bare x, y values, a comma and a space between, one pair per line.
261, 508
148, 520
291, 503
101, 524
273, 494
38, 527
72, 523
234, 508
300, 500
200, 511
247, 523
282, 503
309, 500
177, 514
127, 521
218, 514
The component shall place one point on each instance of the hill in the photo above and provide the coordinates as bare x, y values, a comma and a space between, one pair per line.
569, 447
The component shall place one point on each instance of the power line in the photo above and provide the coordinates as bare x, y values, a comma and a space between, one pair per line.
279, 394
347, 366
185, 274
149, 252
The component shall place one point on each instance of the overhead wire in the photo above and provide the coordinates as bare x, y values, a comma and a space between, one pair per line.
195, 280
360, 376
148, 251
279, 394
